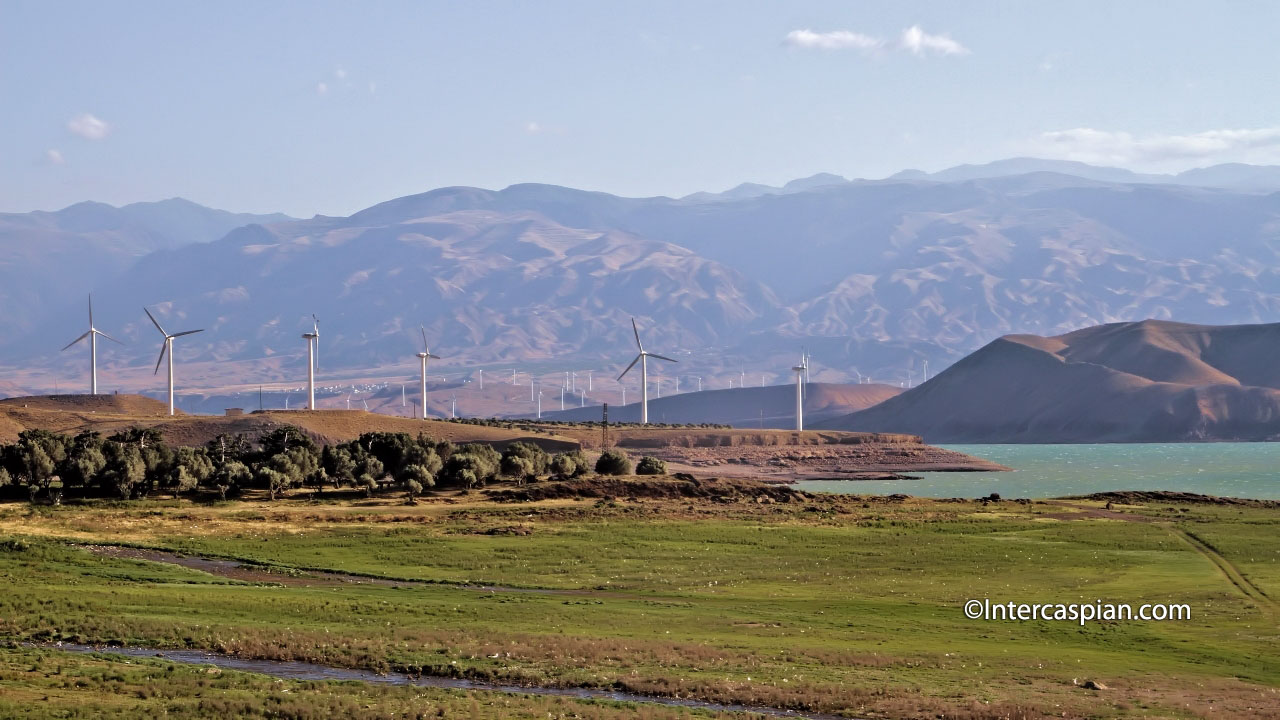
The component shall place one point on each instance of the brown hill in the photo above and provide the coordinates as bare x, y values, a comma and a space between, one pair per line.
772, 406
1149, 381
127, 404
111, 413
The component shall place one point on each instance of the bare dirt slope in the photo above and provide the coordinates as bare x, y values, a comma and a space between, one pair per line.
1149, 381
784, 455
109, 413
773, 406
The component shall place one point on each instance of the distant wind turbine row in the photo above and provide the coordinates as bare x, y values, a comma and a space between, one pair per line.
313, 360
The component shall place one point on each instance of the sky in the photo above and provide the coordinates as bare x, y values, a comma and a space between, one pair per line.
316, 107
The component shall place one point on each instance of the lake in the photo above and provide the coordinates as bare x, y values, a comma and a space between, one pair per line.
1250, 470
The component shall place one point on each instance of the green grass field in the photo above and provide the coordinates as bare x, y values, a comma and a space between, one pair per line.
837, 605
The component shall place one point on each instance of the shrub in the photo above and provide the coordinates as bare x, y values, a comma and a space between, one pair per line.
537, 458
613, 462
650, 465
564, 465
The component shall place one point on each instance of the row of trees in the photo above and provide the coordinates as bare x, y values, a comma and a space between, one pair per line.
137, 462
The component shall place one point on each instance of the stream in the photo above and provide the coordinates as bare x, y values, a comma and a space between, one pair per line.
307, 671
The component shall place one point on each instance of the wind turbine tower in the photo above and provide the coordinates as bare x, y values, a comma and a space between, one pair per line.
799, 371
313, 347
167, 347
93, 334
423, 357
643, 359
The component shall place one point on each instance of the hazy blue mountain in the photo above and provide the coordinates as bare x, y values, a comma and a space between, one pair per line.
73, 249
1229, 176
875, 277
496, 287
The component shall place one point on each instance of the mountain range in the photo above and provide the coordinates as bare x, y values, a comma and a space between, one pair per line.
1146, 381
874, 277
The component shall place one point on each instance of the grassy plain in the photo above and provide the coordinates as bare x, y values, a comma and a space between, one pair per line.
839, 604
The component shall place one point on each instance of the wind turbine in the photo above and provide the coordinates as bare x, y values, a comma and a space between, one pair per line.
643, 359
481, 378
167, 347
699, 383
539, 404
424, 356
589, 387
926, 371
453, 412
799, 371
313, 351
93, 334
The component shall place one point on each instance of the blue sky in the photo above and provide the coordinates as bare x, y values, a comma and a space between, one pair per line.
329, 107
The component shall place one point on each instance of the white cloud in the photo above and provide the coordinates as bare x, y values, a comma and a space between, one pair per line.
834, 40
532, 128
912, 40
918, 42
88, 127
54, 156
322, 88
340, 74
1103, 146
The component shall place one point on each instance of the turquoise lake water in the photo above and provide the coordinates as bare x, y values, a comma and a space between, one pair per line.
1250, 470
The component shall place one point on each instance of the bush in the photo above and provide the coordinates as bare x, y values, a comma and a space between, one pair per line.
563, 465
537, 458
613, 462
650, 465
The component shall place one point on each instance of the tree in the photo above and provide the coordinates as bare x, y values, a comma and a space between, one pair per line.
563, 465
274, 481
191, 467
230, 476
284, 438
537, 458
650, 465
84, 461
125, 471
338, 465
613, 462
224, 448
517, 468
420, 476
413, 488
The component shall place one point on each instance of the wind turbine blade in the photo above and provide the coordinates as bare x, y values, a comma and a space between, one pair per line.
163, 346
662, 357
73, 342
434, 357
425, 349
187, 332
633, 364
636, 330
153, 322
108, 337
91, 311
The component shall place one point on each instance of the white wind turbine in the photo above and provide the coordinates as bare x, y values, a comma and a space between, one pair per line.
799, 370
313, 352
643, 359
93, 334
424, 356
168, 347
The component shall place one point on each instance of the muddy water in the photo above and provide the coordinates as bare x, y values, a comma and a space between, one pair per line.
308, 671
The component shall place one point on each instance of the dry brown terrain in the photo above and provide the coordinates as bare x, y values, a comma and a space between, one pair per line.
1149, 381
765, 454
